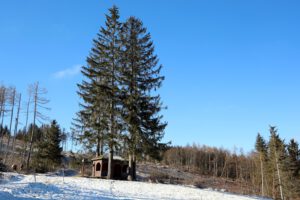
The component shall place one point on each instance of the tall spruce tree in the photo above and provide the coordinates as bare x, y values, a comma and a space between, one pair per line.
110, 73
92, 119
261, 148
101, 94
277, 155
140, 78
119, 91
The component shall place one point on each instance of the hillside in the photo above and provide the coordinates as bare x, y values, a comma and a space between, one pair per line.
160, 173
24, 187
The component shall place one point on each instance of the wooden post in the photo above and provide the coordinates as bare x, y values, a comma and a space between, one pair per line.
83, 168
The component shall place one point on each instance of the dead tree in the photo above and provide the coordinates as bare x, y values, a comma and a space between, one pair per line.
2, 111
38, 102
12, 98
26, 129
17, 122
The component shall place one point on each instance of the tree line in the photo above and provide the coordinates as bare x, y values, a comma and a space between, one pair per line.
120, 107
272, 170
32, 137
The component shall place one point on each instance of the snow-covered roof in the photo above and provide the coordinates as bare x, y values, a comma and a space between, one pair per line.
105, 156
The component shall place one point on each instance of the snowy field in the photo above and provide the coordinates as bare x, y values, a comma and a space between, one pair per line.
24, 187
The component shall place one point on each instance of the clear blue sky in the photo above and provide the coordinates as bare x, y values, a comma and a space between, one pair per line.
232, 67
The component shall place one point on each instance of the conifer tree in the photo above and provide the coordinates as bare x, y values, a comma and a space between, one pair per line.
294, 157
49, 150
92, 119
103, 73
277, 154
261, 148
109, 68
293, 169
140, 78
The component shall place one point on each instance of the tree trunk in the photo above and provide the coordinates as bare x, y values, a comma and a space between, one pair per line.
209, 164
98, 147
2, 131
262, 176
134, 167
236, 169
279, 177
2, 110
16, 123
33, 127
224, 167
26, 135
110, 160
101, 147
130, 168
10, 125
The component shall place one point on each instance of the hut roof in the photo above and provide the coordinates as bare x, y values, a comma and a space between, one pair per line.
105, 157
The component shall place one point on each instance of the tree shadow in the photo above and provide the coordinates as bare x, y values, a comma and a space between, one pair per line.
9, 196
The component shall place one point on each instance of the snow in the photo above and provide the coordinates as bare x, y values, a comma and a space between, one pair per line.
15, 186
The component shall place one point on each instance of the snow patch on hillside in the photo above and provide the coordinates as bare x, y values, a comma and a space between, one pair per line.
27, 187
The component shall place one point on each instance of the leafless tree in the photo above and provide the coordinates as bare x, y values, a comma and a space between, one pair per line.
39, 103
3, 100
17, 122
12, 98
26, 128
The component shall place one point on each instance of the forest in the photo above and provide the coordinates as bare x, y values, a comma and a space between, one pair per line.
121, 115
271, 170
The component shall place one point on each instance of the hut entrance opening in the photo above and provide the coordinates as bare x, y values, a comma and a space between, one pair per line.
98, 167
117, 171
104, 169
124, 169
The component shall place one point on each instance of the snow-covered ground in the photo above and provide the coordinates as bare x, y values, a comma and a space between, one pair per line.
25, 187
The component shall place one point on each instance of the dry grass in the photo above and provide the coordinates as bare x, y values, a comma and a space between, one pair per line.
165, 174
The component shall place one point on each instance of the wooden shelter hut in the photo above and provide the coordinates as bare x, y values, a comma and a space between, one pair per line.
119, 167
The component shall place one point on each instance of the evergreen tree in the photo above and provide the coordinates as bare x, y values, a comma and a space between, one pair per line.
101, 109
294, 157
261, 148
91, 120
109, 70
49, 151
119, 92
277, 155
293, 169
140, 78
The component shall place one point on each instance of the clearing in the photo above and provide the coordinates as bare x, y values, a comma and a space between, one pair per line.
15, 186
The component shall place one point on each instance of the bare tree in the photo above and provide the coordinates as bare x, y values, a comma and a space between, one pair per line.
12, 98
38, 103
3, 99
26, 128
17, 122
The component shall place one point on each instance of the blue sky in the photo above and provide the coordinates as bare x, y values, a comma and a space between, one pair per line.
231, 67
